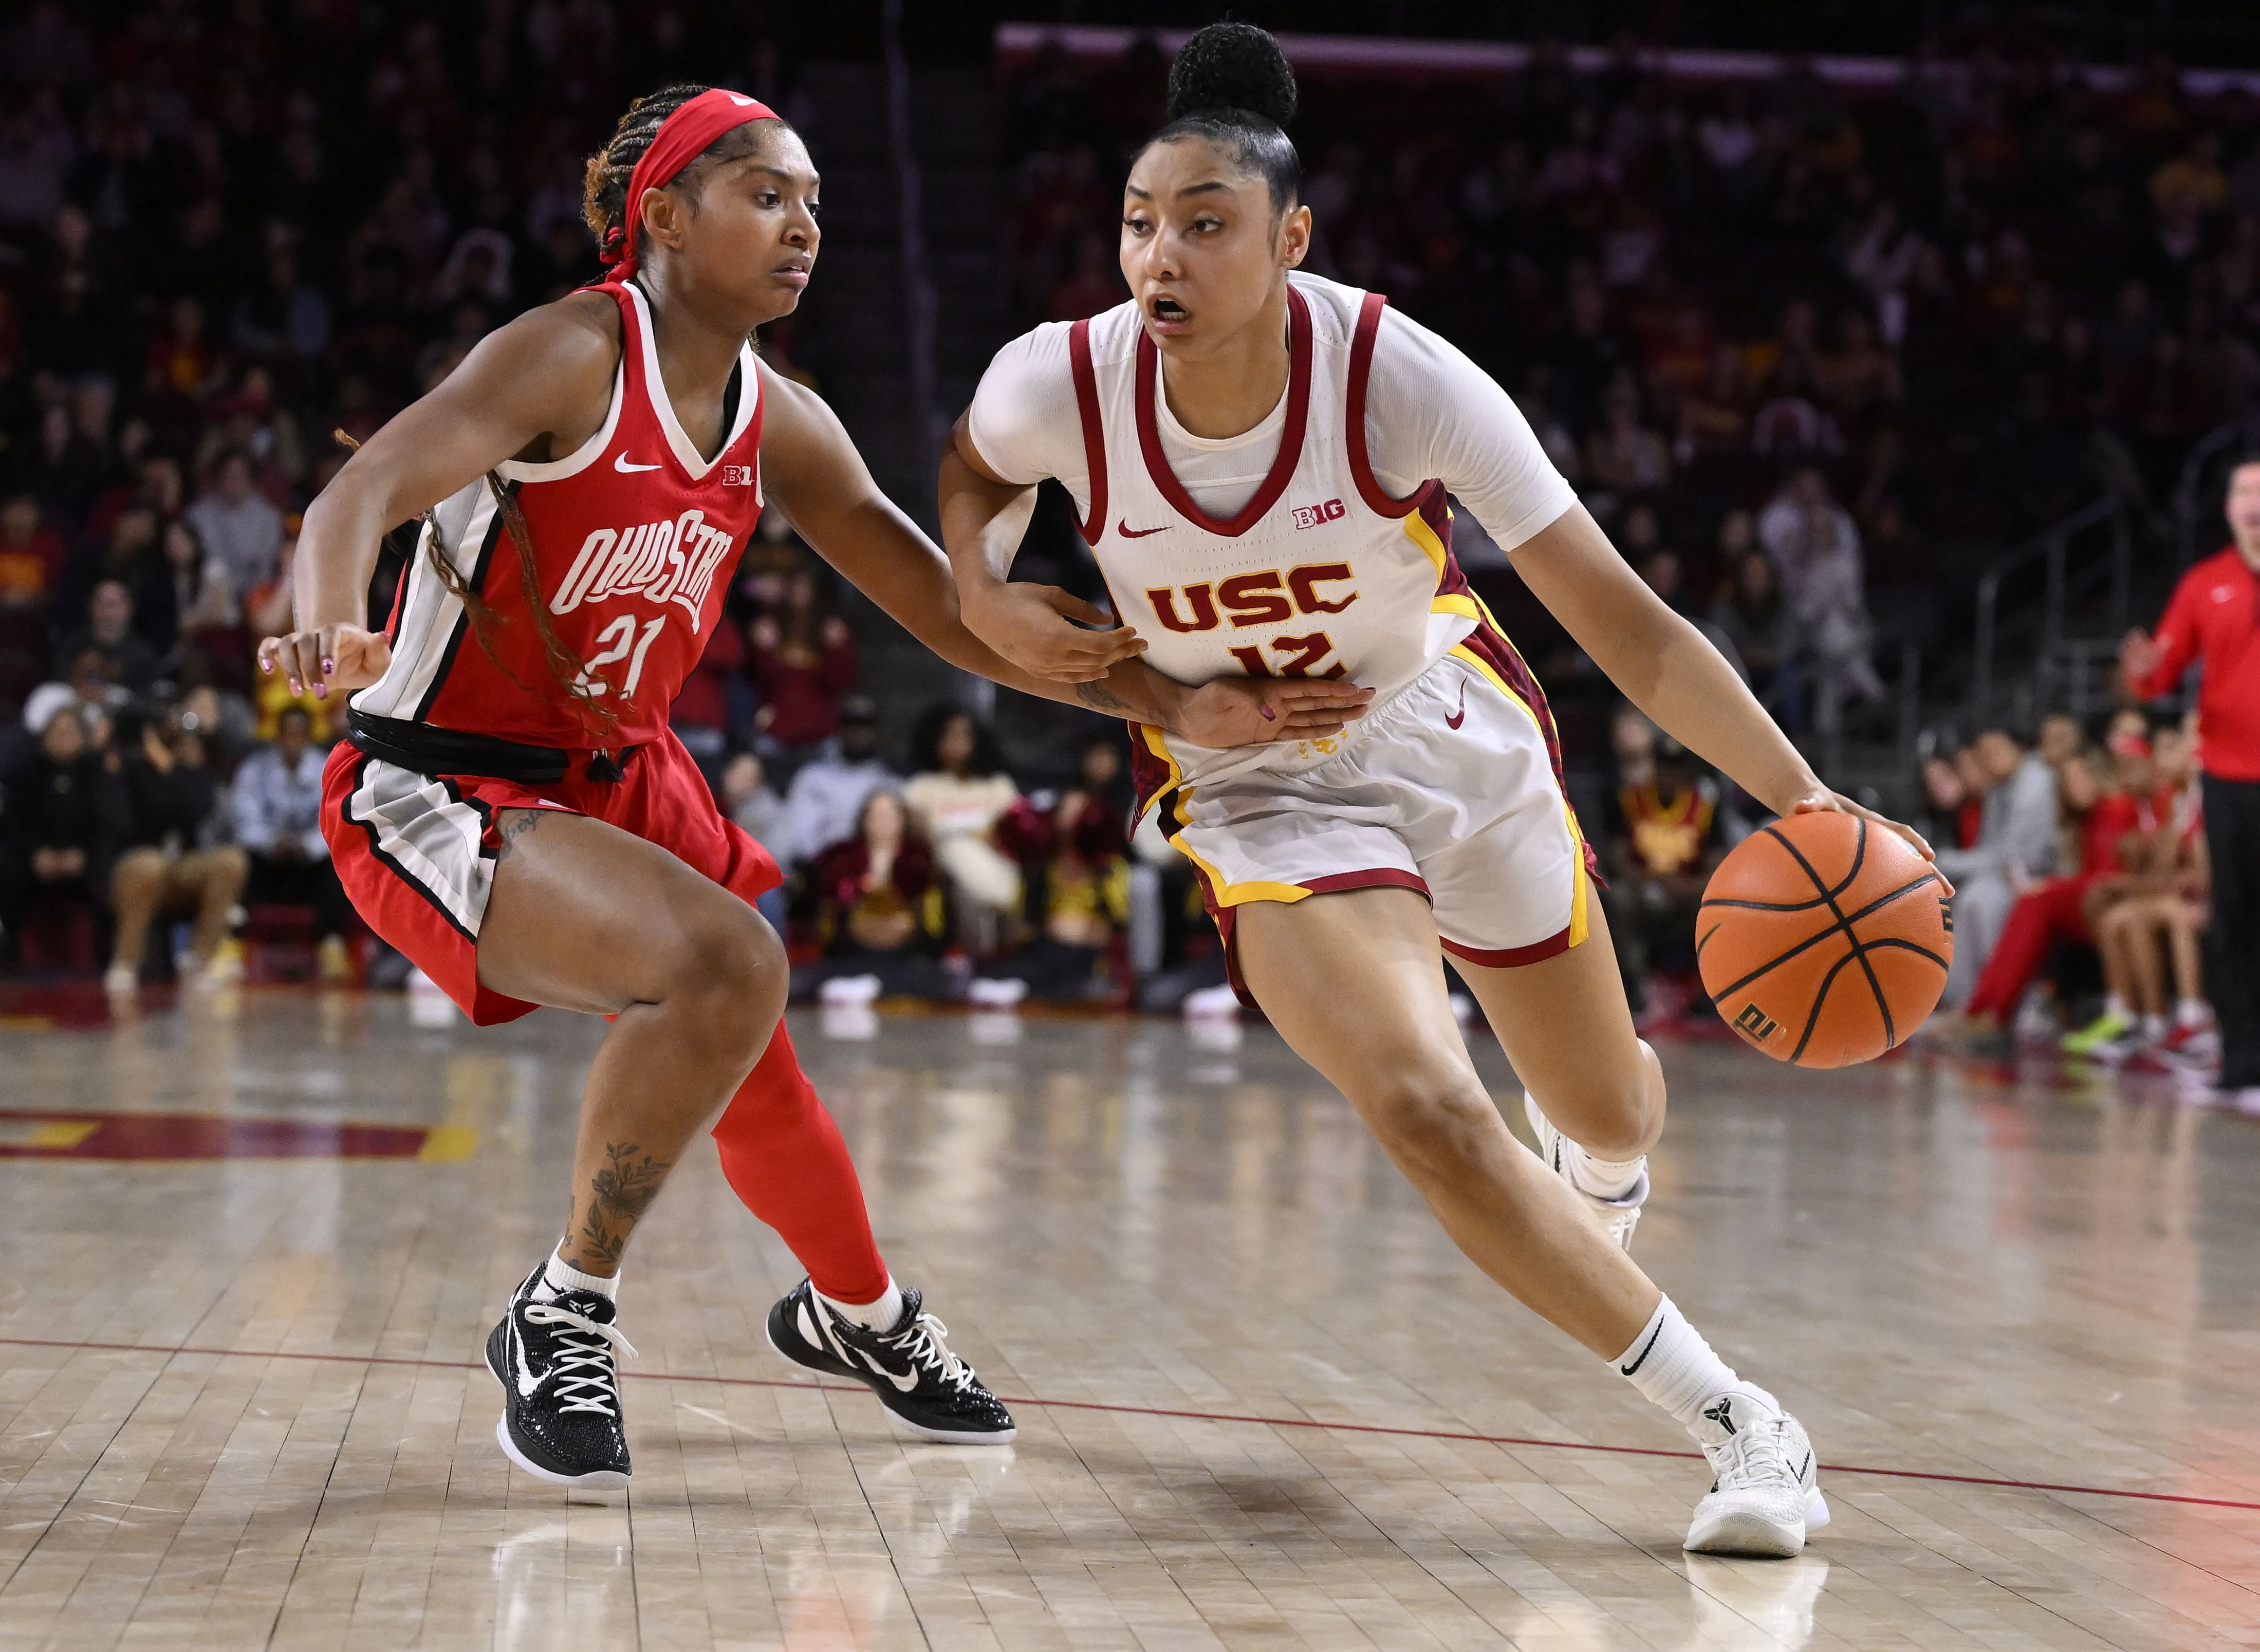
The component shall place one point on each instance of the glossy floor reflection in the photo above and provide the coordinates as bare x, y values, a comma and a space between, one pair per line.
238, 1405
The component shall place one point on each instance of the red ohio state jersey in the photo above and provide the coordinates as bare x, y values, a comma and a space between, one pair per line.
636, 538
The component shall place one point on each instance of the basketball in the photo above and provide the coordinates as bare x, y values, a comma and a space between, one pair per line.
1824, 940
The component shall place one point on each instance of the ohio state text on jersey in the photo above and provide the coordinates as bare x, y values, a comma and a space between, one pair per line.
635, 536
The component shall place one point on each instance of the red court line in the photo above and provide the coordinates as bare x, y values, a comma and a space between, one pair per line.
1154, 1411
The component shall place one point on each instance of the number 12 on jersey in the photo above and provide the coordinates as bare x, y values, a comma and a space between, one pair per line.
1297, 657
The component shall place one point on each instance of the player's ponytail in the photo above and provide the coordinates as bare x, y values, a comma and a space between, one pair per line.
1232, 85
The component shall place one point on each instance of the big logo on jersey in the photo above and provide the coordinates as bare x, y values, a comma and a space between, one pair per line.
667, 562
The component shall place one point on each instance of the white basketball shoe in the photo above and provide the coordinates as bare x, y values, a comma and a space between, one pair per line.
1765, 1489
1618, 1216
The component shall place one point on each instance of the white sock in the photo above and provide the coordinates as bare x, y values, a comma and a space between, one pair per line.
1671, 1365
1604, 1178
561, 1275
879, 1316
2153, 1026
2191, 1013
2114, 1004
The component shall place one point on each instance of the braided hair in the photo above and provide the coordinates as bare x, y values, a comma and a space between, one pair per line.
605, 181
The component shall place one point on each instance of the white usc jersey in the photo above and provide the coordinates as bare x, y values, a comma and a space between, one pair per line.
1322, 573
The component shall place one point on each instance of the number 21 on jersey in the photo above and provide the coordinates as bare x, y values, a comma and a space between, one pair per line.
622, 639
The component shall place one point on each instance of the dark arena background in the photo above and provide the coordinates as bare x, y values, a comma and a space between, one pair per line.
1911, 351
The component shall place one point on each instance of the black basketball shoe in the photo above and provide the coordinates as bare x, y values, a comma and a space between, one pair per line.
560, 1414
931, 1391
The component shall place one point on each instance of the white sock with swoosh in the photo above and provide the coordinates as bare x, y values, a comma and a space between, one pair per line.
879, 1316
1671, 1364
561, 1275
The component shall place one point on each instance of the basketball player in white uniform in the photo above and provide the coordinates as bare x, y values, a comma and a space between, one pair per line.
1261, 458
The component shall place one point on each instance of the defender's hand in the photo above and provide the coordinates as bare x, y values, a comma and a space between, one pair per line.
1256, 711
1823, 801
1029, 624
341, 657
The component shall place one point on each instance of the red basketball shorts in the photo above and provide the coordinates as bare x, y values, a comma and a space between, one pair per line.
416, 852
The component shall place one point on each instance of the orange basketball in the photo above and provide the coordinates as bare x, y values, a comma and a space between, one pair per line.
1823, 940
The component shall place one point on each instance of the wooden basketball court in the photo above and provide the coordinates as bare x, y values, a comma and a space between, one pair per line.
1262, 1402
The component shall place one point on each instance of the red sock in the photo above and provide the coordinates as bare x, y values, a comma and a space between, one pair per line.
784, 1159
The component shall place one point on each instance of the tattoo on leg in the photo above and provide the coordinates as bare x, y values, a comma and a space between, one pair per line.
1099, 697
516, 825
619, 1195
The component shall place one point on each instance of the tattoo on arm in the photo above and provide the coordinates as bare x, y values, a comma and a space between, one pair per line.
516, 824
1099, 697
619, 1195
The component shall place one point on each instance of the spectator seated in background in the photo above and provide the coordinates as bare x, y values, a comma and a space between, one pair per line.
826, 798
958, 796
1663, 844
1816, 550
2131, 934
172, 797
2158, 892
748, 797
240, 529
1752, 614
2016, 842
803, 658
31, 555
880, 913
277, 796
1081, 853
58, 833
2055, 911
127, 656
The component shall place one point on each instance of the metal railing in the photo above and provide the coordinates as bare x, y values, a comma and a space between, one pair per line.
2052, 550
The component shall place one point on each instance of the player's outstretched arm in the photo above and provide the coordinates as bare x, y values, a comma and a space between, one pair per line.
983, 519
548, 373
813, 472
1668, 668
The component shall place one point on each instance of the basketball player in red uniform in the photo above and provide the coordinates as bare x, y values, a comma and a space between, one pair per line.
1261, 457
509, 809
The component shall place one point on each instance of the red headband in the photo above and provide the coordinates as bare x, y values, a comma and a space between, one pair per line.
682, 138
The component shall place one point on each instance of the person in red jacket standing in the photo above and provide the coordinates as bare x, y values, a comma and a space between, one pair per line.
2214, 618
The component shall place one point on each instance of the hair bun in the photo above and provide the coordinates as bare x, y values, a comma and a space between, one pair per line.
1233, 66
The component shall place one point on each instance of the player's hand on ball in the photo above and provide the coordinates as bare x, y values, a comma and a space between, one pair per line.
341, 657
1820, 800
1033, 626
1256, 711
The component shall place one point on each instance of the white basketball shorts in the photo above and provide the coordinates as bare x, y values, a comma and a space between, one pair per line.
1449, 788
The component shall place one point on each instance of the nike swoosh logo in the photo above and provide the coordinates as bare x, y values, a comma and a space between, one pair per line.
1642, 1360
742, 103
528, 1384
903, 1384
1123, 528
621, 463
1460, 716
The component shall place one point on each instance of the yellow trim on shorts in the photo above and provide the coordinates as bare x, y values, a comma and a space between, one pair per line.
1458, 602
1230, 894
1579, 921
1226, 893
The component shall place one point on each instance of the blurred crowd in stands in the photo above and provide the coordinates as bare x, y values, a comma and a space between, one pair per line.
1809, 352
1879, 332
